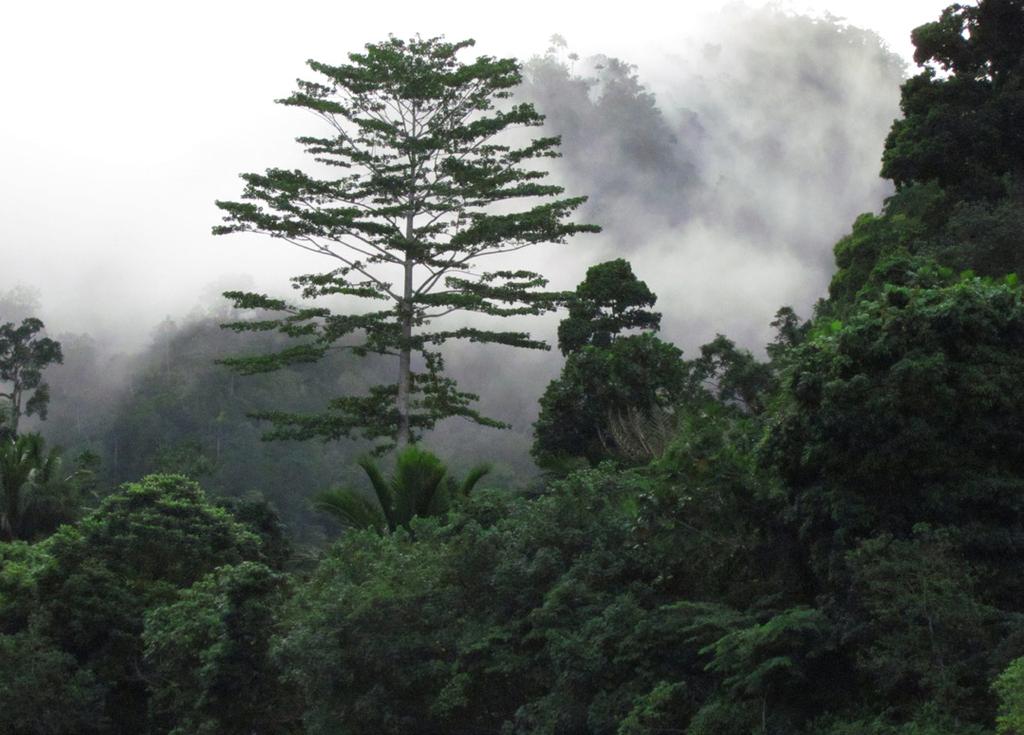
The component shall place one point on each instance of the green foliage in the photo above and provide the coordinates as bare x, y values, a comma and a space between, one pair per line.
907, 413
420, 487
208, 652
20, 567
727, 717
826, 544
961, 128
23, 357
262, 519
984, 237
19, 460
926, 632
858, 254
910, 245
616, 390
369, 637
352, 510
928, 721
732, 375
600, 386
768, 664
90, 587
757, 659
43, 690
896, 434
619, 394
1009, 687
790, 331
955, 156
658, 710
557, 614
161, 528
416, 135
37, 493
608, 301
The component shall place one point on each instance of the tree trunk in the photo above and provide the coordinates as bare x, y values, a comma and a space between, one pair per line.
404, 434
15, 408
9, 518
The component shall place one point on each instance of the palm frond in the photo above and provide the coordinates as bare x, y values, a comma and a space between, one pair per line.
419, 486
48, 468
351, 509
418, 475
381, 488
21, 460
472, 478
18, 460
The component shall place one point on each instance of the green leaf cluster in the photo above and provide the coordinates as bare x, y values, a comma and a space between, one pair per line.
421, 486
81, 598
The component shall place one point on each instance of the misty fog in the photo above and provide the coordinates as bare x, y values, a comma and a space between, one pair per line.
726, 173
723, 166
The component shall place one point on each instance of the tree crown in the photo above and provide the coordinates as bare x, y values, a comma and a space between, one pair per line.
424, 186
23, 357
609, 300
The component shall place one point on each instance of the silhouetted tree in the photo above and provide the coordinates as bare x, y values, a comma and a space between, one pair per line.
23, 356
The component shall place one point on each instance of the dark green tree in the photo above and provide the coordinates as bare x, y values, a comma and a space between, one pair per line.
209, 654
136, 551
19, 460
427, 189
956, 157
261, 517
923, 632
627, 388
43, 691
24, 354
860, 256
609, 300
559, 614
767, 664
907, 412
613, 393
790, 331
733, 375
369, 638
963, 114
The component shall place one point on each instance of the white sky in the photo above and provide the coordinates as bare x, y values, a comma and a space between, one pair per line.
122, 122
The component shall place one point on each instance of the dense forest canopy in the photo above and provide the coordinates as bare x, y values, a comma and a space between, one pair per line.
819, 536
